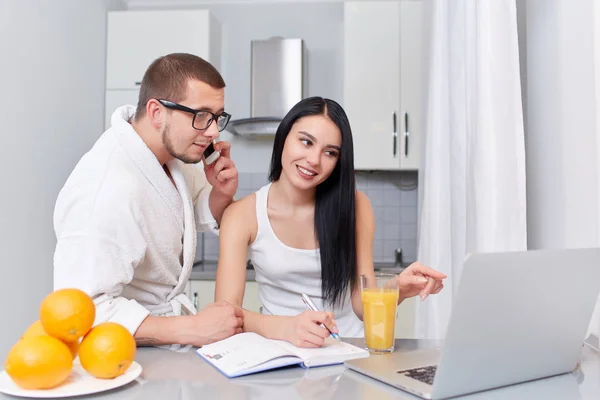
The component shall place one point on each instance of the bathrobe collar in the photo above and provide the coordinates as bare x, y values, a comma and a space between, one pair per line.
175, 197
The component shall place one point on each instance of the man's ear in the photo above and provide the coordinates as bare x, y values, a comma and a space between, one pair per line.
155, 113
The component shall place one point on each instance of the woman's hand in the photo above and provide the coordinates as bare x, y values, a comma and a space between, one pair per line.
419, 279
305, 330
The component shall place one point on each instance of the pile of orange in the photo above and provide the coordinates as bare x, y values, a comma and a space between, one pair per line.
43, 357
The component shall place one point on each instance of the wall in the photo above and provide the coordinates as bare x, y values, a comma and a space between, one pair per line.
51, 108
561, 130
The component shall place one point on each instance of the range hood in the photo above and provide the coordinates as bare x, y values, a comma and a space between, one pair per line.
276, 86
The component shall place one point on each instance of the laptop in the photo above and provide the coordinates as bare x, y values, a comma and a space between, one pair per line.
516, 317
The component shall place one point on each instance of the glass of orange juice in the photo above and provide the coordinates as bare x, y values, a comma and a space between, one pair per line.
379, 299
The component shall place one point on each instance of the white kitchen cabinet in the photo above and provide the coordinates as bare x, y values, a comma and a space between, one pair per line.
411, 84
136, 38
382, 83
203, 293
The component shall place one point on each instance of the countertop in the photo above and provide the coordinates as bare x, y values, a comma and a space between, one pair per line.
207, 270
185, 376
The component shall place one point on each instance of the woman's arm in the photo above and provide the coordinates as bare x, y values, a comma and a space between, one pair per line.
238, 229
365, 231
302, 330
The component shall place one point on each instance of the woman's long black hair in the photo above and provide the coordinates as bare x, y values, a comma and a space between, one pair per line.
335, 203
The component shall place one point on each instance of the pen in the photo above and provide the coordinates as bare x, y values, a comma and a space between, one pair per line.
309, 303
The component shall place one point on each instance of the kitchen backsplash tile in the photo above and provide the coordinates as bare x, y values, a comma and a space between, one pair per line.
393, 197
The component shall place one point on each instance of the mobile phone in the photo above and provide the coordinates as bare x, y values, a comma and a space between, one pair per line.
210, 154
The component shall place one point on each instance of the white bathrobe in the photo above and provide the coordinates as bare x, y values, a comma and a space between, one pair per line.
125, 234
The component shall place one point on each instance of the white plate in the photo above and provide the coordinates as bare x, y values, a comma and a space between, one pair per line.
77, 384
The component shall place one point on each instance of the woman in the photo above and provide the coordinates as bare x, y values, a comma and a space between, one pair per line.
308, 231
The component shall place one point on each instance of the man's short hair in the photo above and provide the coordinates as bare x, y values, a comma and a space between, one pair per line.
167, 78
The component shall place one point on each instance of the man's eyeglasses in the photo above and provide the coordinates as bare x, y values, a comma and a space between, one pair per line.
202, 119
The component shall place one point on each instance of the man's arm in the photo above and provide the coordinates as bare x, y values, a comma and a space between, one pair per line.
159, 331
209, 208
91, 265
100, 267
209, 205
215, 322
218, 203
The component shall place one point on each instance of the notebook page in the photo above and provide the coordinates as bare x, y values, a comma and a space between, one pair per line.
332, 352
242, 352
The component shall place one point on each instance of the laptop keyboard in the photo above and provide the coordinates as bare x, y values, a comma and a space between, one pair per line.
424, 374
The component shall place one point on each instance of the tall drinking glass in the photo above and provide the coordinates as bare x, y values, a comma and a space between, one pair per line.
379, 299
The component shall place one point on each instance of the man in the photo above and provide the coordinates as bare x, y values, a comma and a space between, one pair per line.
126, 219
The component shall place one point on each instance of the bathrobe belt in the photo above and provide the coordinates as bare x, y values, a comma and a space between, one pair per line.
175, 306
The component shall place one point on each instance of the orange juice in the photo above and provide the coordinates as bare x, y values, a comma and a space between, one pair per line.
379, 317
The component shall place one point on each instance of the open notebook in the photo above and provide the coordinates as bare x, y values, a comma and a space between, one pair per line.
247, 353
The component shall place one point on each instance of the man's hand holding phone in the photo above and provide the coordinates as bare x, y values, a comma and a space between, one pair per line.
220, 169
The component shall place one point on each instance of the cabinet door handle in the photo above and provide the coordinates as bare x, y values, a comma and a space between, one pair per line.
138, 83
395, 134
406, 134
195, 301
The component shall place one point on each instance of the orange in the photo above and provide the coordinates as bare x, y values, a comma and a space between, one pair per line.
67, 314
107, 350
73, 348
39, 362
36, 329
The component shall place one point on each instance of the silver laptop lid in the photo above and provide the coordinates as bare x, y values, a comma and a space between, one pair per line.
516, 317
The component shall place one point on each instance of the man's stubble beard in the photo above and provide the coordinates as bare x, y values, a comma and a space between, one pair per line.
168, 143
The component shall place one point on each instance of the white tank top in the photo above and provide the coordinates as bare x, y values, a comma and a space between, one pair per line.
284, 272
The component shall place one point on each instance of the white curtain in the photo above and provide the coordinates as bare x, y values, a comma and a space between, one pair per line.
594, 327
473, 169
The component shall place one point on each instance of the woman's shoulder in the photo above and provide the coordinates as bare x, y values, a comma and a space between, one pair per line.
243, 207
362, 200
